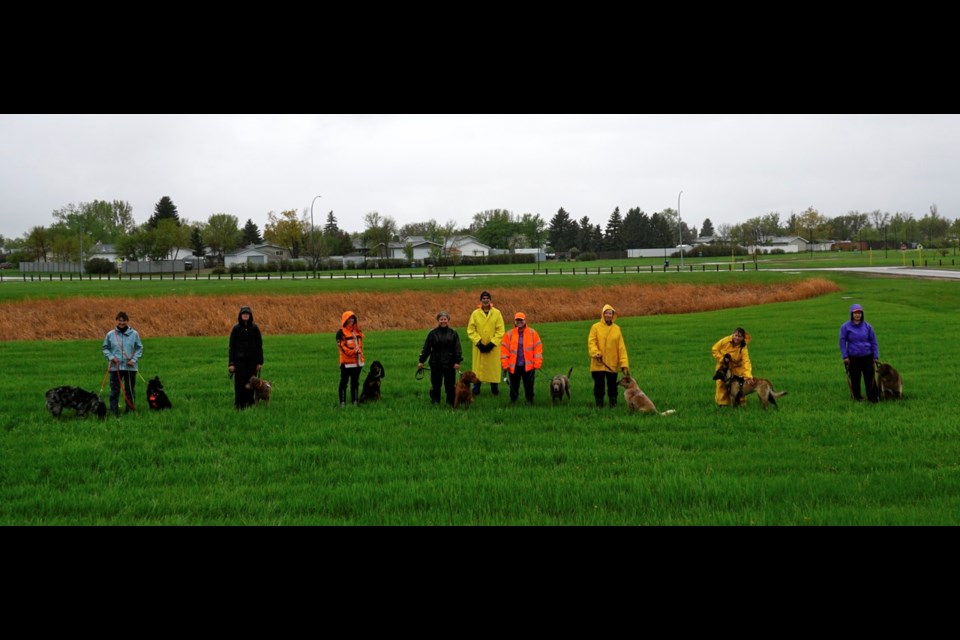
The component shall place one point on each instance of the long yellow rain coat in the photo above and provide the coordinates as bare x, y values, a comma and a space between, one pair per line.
740, 363
489, 328
608, 342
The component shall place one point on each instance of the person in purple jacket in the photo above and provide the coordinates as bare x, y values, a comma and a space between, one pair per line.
858, 347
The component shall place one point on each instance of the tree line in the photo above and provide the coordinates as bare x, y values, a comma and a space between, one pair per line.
77, 229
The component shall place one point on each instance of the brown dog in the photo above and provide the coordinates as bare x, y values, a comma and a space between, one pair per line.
738, 388
890, 382
463, 394
560, 386
261, 389
636, 399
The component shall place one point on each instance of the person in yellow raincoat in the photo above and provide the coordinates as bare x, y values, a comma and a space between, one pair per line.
485, 330
608, 353
736, 345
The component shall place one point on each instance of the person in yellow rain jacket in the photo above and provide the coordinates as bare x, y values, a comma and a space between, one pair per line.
521, 354
608, 353
485, 330
736, 345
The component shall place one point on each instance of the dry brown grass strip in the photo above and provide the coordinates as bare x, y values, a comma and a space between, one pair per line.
85, 318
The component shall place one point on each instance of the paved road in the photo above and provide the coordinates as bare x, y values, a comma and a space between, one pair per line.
909, 272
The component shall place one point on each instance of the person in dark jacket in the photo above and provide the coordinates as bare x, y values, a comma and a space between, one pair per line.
858, 348
246, 356
442, 348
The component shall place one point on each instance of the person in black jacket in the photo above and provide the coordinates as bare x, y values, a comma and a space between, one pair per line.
442, 347
246, 356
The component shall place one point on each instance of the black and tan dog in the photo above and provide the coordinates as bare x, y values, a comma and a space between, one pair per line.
889, 381
371, 385
261, 389
82, 401
156, 396
560, 386
738, 388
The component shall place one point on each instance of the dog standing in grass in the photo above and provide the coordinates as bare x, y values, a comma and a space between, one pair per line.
262, 389
560, 386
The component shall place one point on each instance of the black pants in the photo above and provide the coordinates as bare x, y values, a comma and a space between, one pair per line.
862, 367
601, 379
242, 372
128, 379
448, 377
526, 377
353, 375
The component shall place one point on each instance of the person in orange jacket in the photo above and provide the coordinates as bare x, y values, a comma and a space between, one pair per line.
350, 346
521, 354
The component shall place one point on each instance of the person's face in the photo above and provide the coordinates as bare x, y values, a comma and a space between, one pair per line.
485, 303
352, 320
736, 337
443, 320
519, 323
245, 316
121, 322
857, 316
608, 316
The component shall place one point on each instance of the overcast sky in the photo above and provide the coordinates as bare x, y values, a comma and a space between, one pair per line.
414, 168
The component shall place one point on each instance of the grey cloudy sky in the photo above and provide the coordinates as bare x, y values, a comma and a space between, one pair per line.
414, 168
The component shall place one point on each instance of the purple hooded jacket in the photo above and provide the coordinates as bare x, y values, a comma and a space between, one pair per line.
858, 339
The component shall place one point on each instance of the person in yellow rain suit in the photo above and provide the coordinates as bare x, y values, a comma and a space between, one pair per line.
485, 330
736, 345
608, 354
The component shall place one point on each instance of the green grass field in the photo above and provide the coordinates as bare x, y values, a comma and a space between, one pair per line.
820, 460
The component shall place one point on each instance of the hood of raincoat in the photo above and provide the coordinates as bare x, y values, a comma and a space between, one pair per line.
346, 316
856, 307
244, 310
605, 308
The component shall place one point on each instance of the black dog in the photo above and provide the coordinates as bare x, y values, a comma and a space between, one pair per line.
156, 396
371, 386
84, 402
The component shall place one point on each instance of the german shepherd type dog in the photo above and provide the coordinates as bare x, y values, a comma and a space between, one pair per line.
83, 402
261, 389
637, 400
156, 396
889, 381
738, 388
560, 386
463, 393
371, 385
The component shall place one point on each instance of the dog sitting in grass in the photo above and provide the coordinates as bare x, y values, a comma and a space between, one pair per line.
371, 385
889, 381
463, 392
156, 396
261, 389
637, 400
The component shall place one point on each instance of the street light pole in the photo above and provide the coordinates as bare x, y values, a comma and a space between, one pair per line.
680, 228
313, 241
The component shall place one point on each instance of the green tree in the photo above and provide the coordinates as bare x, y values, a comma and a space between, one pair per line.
222, 234
164, 209
613, 239
378, 233
933, 228
286, 230
37, 243
707, 229
495, 227
563, 231
251, 233
533, 228
196, 241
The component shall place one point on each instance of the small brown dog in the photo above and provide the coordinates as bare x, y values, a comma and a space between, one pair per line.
560, 386
890, 382
637, 400
261, 389
463, 394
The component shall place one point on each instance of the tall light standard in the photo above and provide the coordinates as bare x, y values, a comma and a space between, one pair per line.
313, 242
680, 228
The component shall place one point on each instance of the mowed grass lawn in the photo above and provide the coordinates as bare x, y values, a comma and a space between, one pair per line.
818, 460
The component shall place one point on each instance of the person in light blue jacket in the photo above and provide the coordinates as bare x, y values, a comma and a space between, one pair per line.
860, 353
122, 349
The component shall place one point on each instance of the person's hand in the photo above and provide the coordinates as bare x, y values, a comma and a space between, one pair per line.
625, 371
259, 366
598, 357
131, 362
231, 369
747, 380
114, 361
457, 366
846, 361
419, 366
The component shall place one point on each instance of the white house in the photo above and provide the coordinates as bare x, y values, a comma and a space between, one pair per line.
259, 254
466, 246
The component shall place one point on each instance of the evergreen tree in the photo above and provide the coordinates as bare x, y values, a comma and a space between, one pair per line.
331, 228
707, 229
196, 241
164, 210
613, 237
563, 231
251, 233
